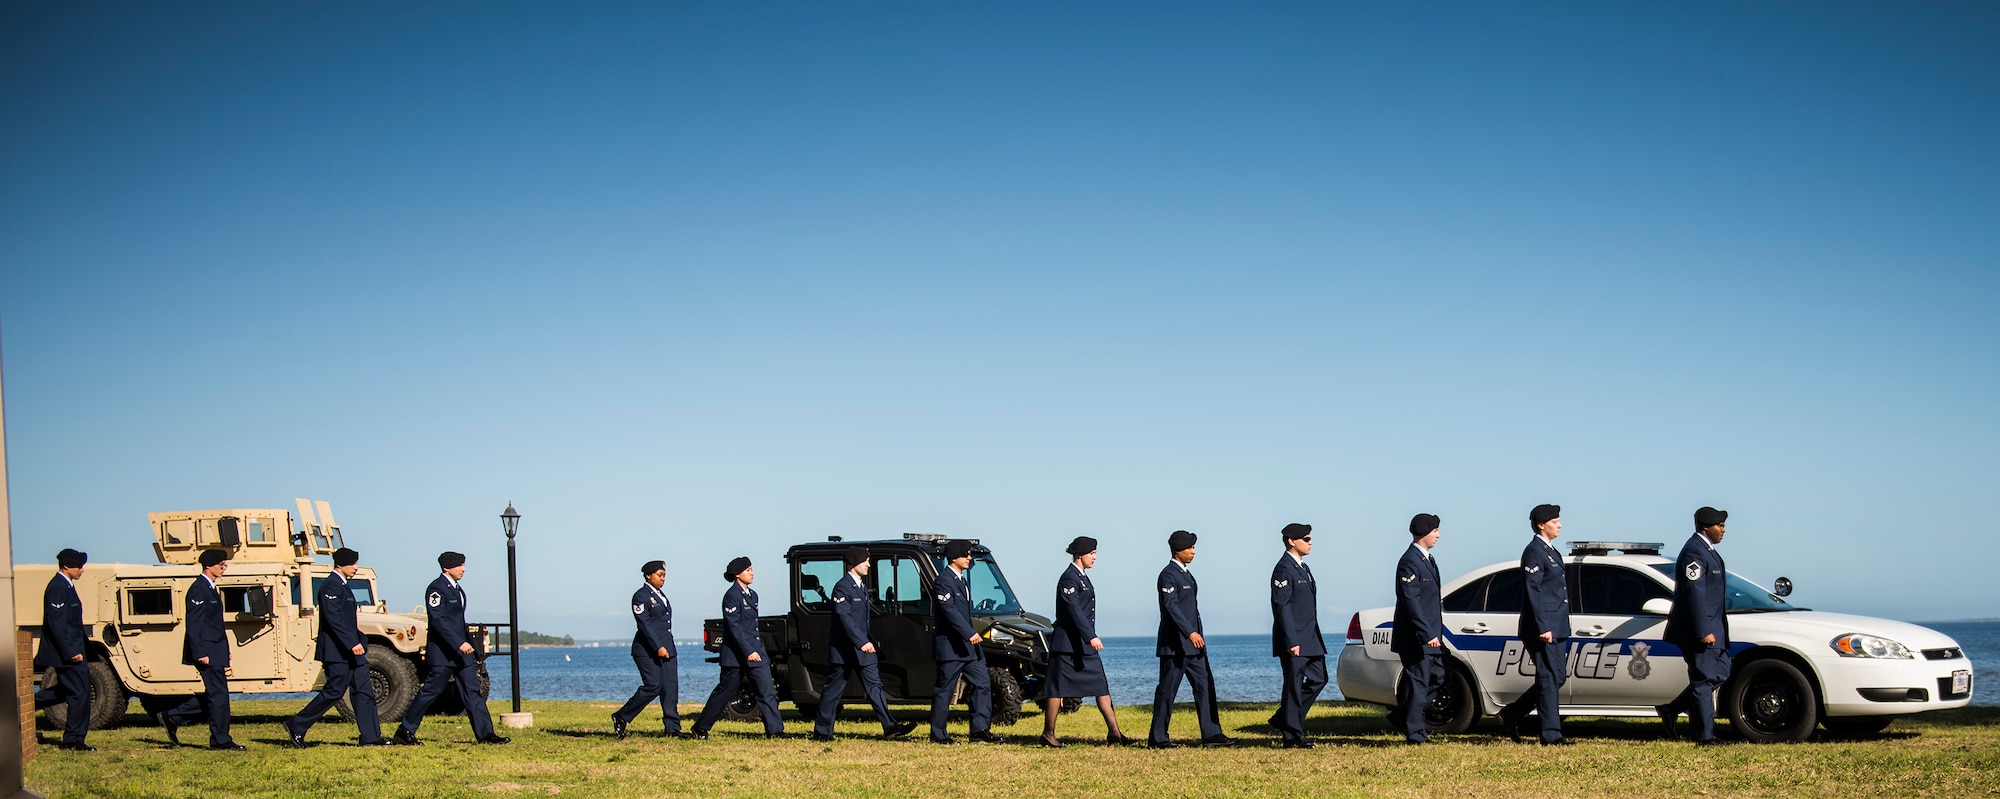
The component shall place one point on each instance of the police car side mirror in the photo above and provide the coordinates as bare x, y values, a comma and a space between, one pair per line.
1783, 587
1657, 606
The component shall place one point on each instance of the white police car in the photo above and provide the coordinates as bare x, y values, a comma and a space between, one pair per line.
1794, 668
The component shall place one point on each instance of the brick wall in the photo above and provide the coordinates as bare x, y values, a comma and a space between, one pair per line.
24, 667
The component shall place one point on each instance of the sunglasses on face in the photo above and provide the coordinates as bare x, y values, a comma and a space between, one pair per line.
1307, 539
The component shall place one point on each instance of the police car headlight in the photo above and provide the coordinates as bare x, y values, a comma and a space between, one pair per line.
1856, 645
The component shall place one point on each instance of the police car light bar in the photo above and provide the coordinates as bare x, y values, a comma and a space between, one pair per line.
935, 538
1608, 547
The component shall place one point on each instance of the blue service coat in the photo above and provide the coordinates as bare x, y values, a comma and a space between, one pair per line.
1545, 604
1701, 597
62, 623
1419, 614
1295, 610
204, 634
1180, 612
444, 608
654, 617
951, 618
739, 627
850, 624
338, 631
1076, 613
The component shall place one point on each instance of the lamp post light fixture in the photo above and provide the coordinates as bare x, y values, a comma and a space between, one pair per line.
510, 521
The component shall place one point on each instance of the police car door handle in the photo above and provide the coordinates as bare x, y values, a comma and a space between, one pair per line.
1477, 628
1594, 631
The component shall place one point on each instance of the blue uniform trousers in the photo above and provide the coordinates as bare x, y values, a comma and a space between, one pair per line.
1708, 669
340, 677
1544, 697
211, 705
978, 691
1304, 678
468, 694
659, 678
1200, 680
1423, 678
72, 690
725, 692
832, 695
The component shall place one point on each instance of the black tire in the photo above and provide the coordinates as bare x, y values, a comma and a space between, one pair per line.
395, 681
108, 700
1857, 726
1454, 710
1006, 696
1072, 704
1771, 701
743, 707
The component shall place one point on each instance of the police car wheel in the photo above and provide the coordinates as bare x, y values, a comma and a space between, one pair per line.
1771, 701
1452, 711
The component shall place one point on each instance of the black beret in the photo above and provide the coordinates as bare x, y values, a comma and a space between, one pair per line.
1083, 545
1422, 524
345, 557
1181, 539
1709, 517
953, 550
854, 555
72, 559
1542, 513
736, 567
653, 566
1296, 531
210, 557
450, 560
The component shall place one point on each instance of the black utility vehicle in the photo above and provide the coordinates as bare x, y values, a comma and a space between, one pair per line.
899, 580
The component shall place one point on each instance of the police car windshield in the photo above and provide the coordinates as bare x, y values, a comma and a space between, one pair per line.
991, 596
1744, 596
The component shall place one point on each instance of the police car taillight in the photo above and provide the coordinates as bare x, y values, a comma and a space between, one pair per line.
1354, 629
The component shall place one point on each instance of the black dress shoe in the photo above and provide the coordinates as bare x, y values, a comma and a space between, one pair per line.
901, 729
1120, 739
822, 737
946, 741
76, 747
296, 741
1300, 745
406, 738
1511, 725
376, 742
493, 738
618, 728
1049, 743
228, 747
1670, 718
696, 735
173, 730
1423, 740
987, 737
1162, 745
780, 735
1559, 742
1218, 740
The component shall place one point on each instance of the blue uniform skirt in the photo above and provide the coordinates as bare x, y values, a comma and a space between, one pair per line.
1075, 674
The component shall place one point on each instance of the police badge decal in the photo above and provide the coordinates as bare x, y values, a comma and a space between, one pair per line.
1637, 666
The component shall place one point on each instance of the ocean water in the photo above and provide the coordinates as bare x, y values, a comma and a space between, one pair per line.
1244, 669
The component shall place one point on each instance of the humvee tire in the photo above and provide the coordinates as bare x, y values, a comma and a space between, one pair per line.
1006, 696
744, 706
108, 700
395, 680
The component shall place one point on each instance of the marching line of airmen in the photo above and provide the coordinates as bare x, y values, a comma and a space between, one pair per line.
1696, 624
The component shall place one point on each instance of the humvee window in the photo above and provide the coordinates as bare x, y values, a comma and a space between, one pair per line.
260, 531
251, 599
816, 579
179, 532
364, 590
149, 601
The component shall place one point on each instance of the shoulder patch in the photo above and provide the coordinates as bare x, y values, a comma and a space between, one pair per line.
1167, 590
638, 610
436, 599
1280, 583
839, 598
1410, 579
1532, 569
944, 597
1694, 570
728, 610
1070, 590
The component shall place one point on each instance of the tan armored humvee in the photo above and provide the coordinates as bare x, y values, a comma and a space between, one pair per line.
132, 612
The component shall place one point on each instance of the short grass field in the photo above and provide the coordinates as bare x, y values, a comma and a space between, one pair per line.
570, 752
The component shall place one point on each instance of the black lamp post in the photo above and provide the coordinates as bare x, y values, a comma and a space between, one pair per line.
511, 522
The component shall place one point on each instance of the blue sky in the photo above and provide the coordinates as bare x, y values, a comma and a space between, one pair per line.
694, 281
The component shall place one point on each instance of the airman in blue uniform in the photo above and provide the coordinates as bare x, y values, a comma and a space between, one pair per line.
1295, 637
449, 656
1076, 670
1543, 630
1699, 625
851, 652
1417, 634
955, 646
62, 650
653, 652
205, 647
1182, 650
343, 656
742, 655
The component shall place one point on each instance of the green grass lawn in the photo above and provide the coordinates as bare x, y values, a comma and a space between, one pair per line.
570, 751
